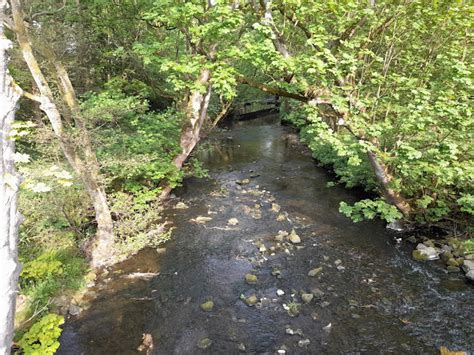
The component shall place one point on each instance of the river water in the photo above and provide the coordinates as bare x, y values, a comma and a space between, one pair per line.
369, 297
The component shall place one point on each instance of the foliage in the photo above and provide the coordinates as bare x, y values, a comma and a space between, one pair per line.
43, 336
369, 209
469, 246
44, 266
398, 81
136, 146
138, 222
50, 273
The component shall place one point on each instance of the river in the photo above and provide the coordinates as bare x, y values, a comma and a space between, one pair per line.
369, 296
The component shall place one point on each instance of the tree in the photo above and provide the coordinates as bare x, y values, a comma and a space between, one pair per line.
387, 94
78, 151
9, 184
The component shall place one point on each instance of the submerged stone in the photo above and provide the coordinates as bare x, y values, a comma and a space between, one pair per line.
250, 279
315, 271
202, 219
181, 206
204, 343
251, 300
233, 222
294, 238
453, 268
207, 306
307, 297
304, 343
243, 182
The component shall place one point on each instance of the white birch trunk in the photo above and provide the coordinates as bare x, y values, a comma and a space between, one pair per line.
10, 218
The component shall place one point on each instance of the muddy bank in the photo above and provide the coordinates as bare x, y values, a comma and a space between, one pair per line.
368, 295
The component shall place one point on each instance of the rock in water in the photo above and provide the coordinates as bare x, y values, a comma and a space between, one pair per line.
243, 182
250, 279
202, 219
294, 238
207, 306
307, 297
204, 343
315, 271
74, 310
181, 206
233, 222
424, 252
251, 300
468, 267
453, 268
304, 343
281, 235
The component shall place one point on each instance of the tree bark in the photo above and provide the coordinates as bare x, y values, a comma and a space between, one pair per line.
9, 184
196, 113
384, 179
85, 166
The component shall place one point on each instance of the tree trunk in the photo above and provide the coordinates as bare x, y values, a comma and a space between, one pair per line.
88, 169
196, 113
9, 184
384, 179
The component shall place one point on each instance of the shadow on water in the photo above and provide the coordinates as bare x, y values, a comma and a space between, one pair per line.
370, 297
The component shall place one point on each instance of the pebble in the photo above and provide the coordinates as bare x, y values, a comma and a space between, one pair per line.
204, 343
251, 300
304, 343
318, 293
233, 222
453, 268
280, 292
243, 182
276, 207
307, 297
181, 206
315, 271
250, 279
207, 306
294, 238
202, 219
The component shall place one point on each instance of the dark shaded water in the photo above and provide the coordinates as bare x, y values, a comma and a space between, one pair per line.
376, 301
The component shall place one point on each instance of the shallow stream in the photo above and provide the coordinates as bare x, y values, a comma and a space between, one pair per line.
369, 297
